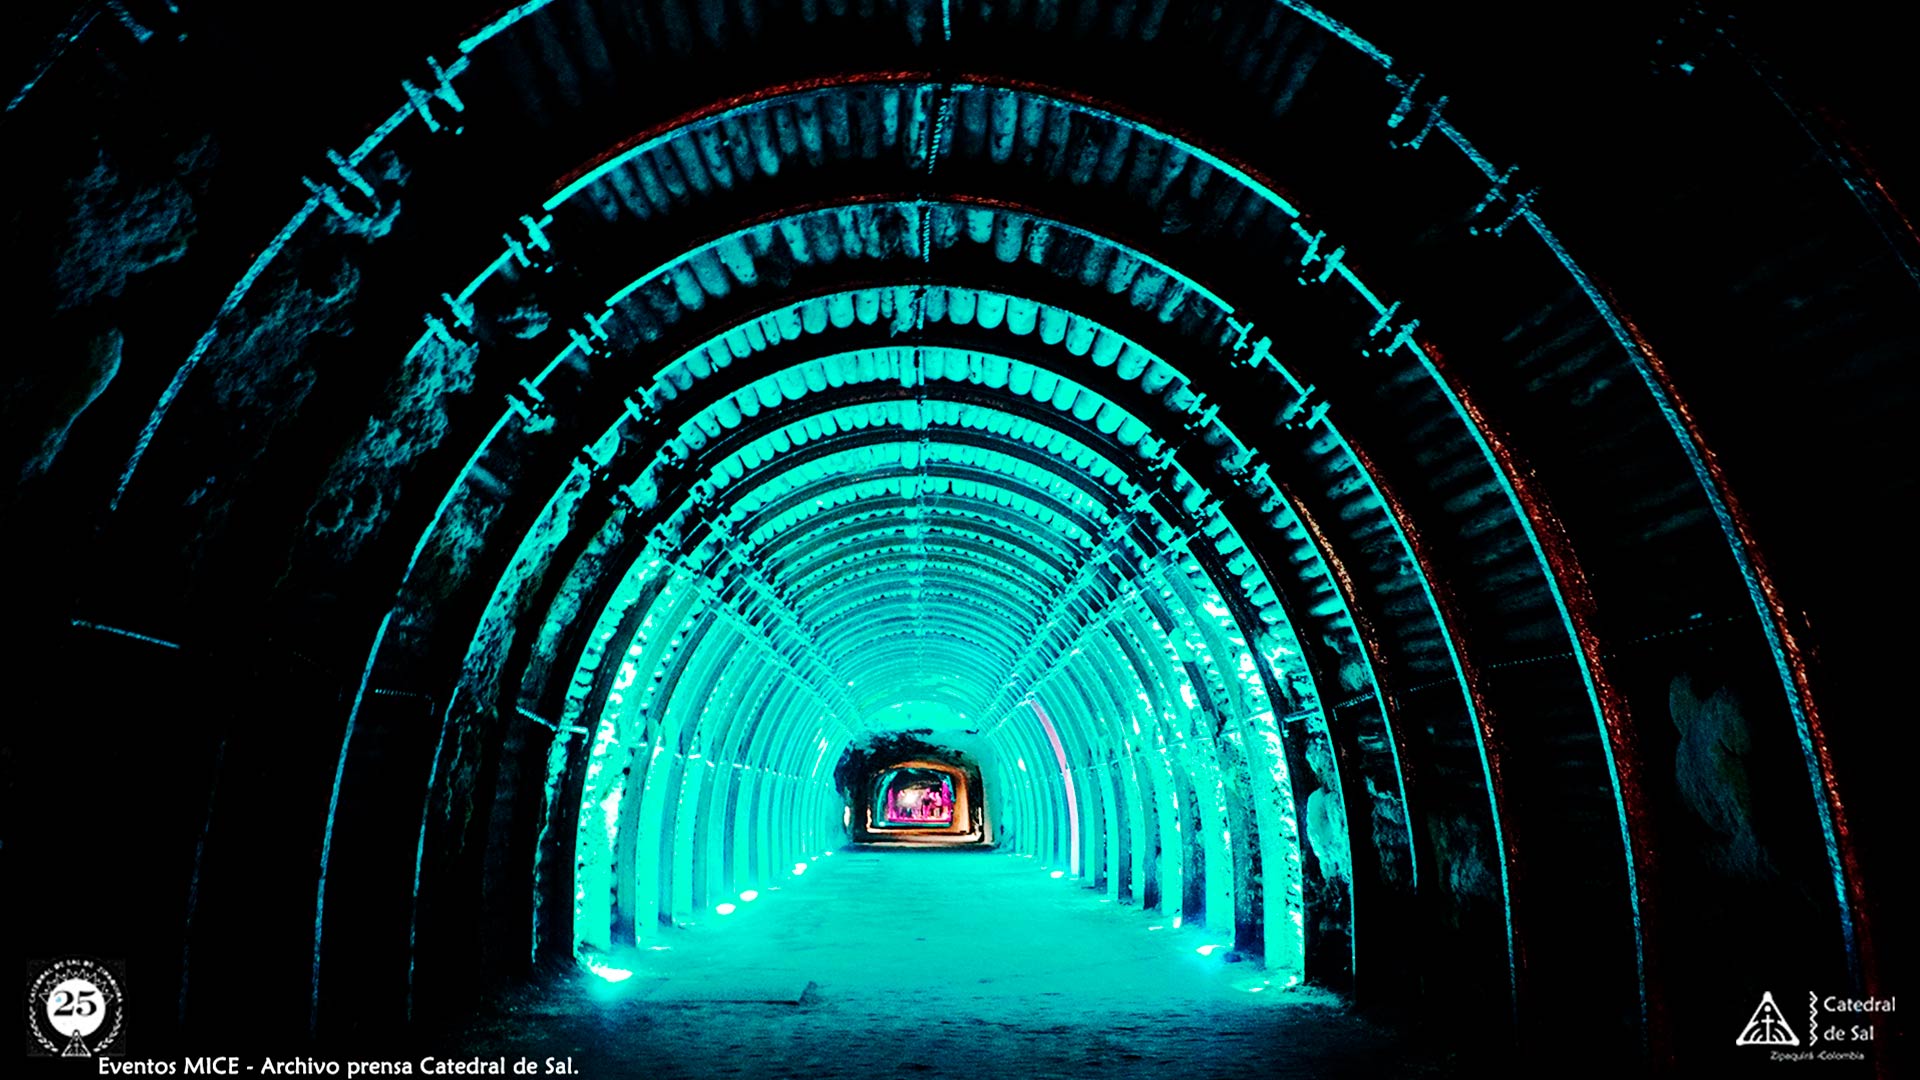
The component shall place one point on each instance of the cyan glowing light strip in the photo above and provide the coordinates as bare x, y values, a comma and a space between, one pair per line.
571, 729
179, 381
333, 810
453, 492
1337, 29
420, 847
193, 882
76, 26
118, 632
512, 15
1066, 777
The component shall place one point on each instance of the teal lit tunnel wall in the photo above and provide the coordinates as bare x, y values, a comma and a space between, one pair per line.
529, 473
924, 542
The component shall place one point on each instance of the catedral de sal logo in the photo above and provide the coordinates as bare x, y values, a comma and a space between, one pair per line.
74, 1009
1844, 1028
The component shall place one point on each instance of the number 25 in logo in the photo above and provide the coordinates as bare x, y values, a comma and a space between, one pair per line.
74, 1009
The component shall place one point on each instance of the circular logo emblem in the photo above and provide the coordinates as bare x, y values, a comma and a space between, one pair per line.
74, 1008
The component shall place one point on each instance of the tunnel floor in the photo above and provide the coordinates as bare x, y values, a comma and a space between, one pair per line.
900, 962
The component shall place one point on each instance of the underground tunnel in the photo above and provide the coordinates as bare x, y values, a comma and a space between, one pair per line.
868, 537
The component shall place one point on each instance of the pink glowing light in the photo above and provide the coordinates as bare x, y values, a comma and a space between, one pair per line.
1066, 777
920, 804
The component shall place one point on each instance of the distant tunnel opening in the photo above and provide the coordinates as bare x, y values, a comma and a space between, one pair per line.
903, 791
913, 796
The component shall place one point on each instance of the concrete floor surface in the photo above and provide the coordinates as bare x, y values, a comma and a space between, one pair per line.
880, 963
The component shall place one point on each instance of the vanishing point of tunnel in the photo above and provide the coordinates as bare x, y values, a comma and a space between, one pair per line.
871, 538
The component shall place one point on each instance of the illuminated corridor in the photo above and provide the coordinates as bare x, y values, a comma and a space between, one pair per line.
890, 963
1407, 499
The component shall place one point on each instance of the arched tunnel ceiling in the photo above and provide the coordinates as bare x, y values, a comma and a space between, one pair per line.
1174, 411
